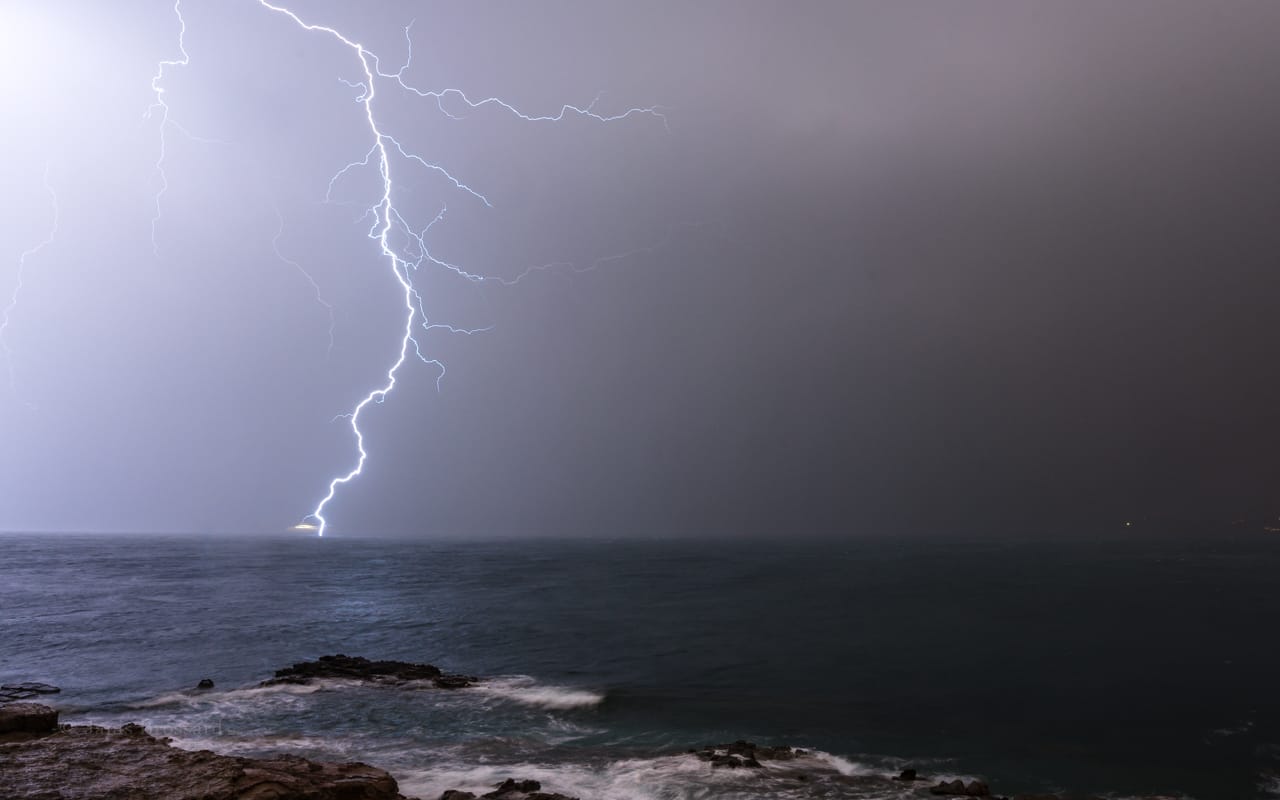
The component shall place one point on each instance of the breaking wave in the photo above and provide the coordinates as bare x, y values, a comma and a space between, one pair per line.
526, 690
678, 777
211, 696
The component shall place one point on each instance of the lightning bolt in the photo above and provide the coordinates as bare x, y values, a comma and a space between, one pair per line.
22, 267
275, 248
565, 110
166, 122
386, 220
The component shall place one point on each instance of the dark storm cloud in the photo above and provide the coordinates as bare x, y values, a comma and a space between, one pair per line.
922, 266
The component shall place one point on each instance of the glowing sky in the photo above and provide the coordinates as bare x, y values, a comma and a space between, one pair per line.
892, 265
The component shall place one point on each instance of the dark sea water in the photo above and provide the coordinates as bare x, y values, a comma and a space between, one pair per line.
1112, 667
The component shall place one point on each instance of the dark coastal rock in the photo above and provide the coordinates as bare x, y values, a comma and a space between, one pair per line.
30, 686
727, 761
1073, 798
745, 754
742, 753
205, 683
454, 681
511, 786
133, 729
27, 718
510, 789
958, 788
1077, 797
82, 763
357, 668
955, 787
907, 775
12, 692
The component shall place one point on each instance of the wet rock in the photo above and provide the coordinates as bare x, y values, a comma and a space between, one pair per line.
512, 786
955, 787
205, 683
744, 754
960, 788
133, 729
510, 789
355, 668
30, 686
27, 718
84, 763
906, 775
454, 681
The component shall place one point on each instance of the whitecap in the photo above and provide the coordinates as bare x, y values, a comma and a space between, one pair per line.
526, 690
843, 765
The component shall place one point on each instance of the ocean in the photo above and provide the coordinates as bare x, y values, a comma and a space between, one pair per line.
1106, 666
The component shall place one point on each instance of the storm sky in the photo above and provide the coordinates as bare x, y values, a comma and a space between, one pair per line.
894, 267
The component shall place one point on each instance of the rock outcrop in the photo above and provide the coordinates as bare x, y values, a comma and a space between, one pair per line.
363, 669
23, 691
745, 754
958, 788
86, 763
27, 718
510, 789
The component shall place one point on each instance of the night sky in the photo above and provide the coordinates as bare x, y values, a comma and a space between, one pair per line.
895, 267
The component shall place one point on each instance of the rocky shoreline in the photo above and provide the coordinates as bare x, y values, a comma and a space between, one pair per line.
42, 760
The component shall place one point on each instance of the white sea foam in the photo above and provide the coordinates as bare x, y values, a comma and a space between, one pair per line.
1270, 786
244, 695
681, 777
1234, 730
203, 739
843, 765
230, 722
526, 690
